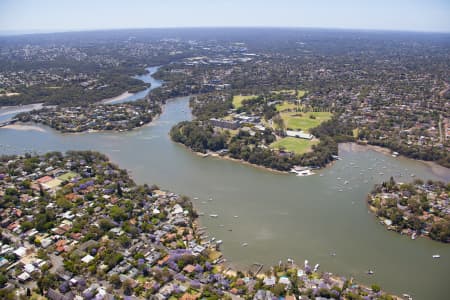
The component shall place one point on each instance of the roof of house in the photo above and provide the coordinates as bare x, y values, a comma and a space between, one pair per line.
189, 268
44, 179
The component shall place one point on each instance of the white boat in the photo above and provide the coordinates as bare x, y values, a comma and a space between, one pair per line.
213, 215
407, 296
219, 242
436, 256
414, 235
370, 272
305, 173
235, 216
244, 244
316, 267
301, 171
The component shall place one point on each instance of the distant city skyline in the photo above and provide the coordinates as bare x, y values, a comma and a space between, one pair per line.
28, 16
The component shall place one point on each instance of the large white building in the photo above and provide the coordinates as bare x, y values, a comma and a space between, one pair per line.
299, 134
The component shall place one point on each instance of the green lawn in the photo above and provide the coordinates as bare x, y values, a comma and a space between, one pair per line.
304, 122
68, 176
237, 99
300, 93
285, 106
295, 145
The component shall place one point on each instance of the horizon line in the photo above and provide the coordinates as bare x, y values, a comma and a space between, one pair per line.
22, 32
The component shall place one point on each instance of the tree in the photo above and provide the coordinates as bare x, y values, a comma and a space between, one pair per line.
3, 279
375, 288
119, 190
127, 286
46, 281
117, 213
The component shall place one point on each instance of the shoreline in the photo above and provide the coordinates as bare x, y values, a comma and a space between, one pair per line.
122, 96
24, 127
36, 127
435, 168
373, 211
215, 155
15, 109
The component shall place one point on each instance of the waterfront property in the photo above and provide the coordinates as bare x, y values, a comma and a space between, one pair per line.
417, 209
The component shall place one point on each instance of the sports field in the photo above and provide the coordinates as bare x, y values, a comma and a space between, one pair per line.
303, 121
296, 145
237, 99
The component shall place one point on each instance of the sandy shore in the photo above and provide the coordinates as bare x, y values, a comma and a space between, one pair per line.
6, 110
438, 169
24, 127
354, 147
215, 155
117, 98
9, 94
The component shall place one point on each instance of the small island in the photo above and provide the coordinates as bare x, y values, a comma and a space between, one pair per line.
415, 209
75, 225
95, 117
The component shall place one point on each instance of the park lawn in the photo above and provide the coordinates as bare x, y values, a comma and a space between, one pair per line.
301, 94
237, 99
68, 176
296, 145
304, 122
285, 106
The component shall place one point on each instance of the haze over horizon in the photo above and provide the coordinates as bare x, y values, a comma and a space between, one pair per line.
26, 16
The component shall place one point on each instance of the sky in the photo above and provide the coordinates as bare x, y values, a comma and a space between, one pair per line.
67, 15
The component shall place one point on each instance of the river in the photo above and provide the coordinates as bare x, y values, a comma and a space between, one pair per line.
147, 78
279, 216
8, 112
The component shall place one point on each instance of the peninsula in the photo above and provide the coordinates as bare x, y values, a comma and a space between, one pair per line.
96, 117
415, 209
